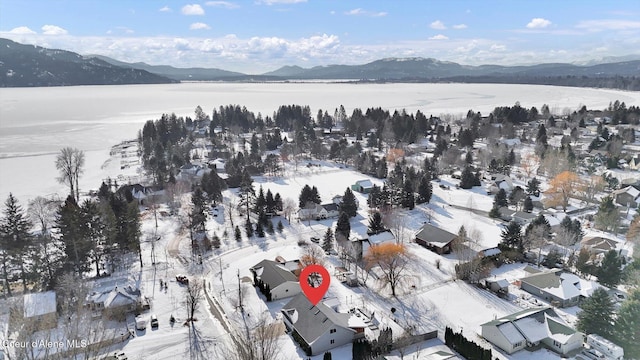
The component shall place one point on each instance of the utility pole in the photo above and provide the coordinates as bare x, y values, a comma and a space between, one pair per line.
240, 292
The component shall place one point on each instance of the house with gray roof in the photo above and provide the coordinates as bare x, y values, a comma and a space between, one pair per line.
435, 239
362, 186
318, 328
628, 196
530, 328
599, 244
281, 281
561, 289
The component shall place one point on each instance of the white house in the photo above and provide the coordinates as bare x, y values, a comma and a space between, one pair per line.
319, 328
530, 328
282, 282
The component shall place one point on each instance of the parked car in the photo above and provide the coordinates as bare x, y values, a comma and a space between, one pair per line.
182, 279
141, 323
154, 321
315, 239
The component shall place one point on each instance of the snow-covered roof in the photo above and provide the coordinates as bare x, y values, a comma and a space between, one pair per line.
553, 283
383, 237
532, 329
312, 321
511, 333
366, 184
273, 273
37, 304
435, 236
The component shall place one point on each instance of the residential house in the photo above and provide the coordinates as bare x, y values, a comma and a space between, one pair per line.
279, 278
319, 328
115, 302
40, 309
330, 210
628, 196
634, 163
530, 328
360, 246
561, 289
362, 186
435, 239
523, 218
338, 199
499, 181
598, 245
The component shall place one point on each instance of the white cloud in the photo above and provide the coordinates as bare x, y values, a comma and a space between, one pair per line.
199, 26
222, 4
273, 2
538, 23
498, 47
21, 30
460, 26
192, 9
165, 9
608, 24
53, 30
438, 25
361, 12
439, 37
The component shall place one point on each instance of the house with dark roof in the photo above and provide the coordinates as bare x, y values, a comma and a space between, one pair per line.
435, 239
561, 289
628, 196
279, 278
598, 244
530, 328
318, 328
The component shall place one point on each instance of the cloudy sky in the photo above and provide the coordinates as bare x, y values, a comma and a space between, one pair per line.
256, 36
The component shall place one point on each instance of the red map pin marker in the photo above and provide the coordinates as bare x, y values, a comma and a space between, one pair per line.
314, 286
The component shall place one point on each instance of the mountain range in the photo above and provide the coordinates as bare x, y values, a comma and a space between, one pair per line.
28, 65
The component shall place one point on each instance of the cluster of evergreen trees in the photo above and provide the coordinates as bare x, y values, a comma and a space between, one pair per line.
468, 349
405, 187
164, 147
371, 350
67, 237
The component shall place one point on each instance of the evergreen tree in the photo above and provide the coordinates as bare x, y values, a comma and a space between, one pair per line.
259, 230
270, 229
425, 189
408, 197
16, 241
608, 216
610, 270
467, 179
343, 227
327, 356
348, 203
237, 233
512, 236
500, 199
627, 327
198, 214
271, 207
596, 316
248, 228
533, 187
374, 199
327, 244
582, 262
261, 202
280, 226
77, 247
375, 224
528, 204
247, 193
494, 213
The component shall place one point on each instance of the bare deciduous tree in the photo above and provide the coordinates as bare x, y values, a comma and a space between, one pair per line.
392, 259
257, 343
70, 163
192, 297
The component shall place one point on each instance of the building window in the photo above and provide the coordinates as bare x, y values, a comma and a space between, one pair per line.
332, 331
332, 341
518, 344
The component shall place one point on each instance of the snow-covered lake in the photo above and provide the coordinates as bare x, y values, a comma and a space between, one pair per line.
36, 122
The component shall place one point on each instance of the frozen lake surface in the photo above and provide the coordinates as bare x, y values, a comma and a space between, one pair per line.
36, 122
